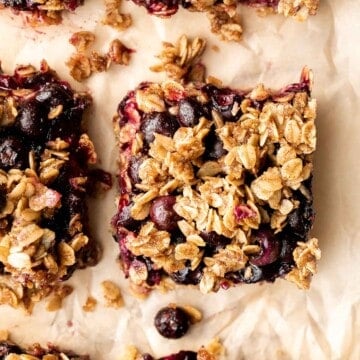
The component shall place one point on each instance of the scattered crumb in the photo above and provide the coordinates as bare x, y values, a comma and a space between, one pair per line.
215, 48
114, 18
82, 40
83, 63
56, 299
4, 335
130, 353
112, 294
194, 314
90, 304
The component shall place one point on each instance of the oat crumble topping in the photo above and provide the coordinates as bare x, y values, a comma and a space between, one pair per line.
216, 184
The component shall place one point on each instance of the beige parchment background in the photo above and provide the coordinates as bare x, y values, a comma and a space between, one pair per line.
260, 322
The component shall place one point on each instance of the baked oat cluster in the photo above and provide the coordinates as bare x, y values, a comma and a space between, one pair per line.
210, 352
223, 16
215, 185
44, 178
11, 351
42, 11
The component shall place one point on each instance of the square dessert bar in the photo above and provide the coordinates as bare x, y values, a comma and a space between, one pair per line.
44, 177
215, 184
46, 11
299, 9
11, 351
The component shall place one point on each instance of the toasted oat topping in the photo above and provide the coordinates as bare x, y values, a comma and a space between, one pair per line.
236, 206
90, 304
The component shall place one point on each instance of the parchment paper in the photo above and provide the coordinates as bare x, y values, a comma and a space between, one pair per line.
259, 322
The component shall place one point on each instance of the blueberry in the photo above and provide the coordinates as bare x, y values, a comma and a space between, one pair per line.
161, 123
2, 196
187, 276
7, 348
13, 153
215, 240
162, 213
147, 357
177, 237
182, 355
214, 146
189, 112
270, 248
253, 273
31, 122
223, 100
133, 170
301, 219
53, 95
124, 218
172, 322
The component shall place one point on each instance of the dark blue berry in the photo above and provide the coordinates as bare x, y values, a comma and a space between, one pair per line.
172, 322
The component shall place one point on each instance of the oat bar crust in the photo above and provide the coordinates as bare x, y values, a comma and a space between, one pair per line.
215, 184
300, 9
45, 155
43, 11
11, 351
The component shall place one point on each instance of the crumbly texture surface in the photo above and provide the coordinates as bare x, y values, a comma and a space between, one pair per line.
45, 155
42, 11
11, 351
223, 16
210, 352
215, 185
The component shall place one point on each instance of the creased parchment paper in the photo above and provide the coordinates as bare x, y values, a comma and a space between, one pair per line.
259, 322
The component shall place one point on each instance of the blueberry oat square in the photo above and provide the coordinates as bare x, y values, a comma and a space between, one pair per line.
42, 11
12, 351
223, 16
44, 176
215, 185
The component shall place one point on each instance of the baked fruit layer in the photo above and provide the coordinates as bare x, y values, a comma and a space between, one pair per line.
215, 184
45, 155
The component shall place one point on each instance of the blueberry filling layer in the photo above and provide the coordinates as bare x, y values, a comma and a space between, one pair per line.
33, 5
215, 184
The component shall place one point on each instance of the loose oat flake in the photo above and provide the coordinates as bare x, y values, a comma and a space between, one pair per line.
216, 185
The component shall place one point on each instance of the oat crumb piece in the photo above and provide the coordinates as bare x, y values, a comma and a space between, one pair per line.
4, 335
82, 40
85, 62
90, 304
114, 18
112, 294
194, 314
59, 294
178, 60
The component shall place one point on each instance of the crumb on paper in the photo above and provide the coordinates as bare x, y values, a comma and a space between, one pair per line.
177, 60
90, 304
114, 18
4, 335
194, 314
60, 293
85, 61
130, 353
112, 294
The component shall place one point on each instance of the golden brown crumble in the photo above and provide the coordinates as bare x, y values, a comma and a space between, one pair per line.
114, 18
112, 294
84, 62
